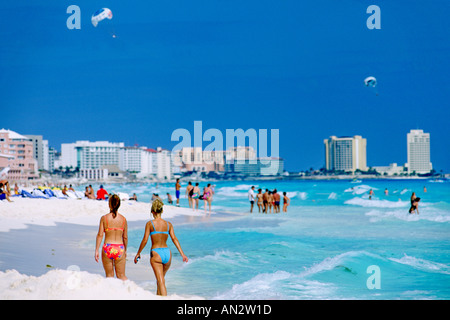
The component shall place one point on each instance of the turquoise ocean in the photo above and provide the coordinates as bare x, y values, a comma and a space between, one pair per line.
333, 243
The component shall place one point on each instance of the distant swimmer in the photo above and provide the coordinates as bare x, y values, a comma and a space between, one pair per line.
276, 201
207, 196
424, 189
386, 192
413, 196
265, 200
259, 197
177, 191
188, 193
414, 205
286, 202
169, 198
195, 196
251, 197
270, 201
370, 194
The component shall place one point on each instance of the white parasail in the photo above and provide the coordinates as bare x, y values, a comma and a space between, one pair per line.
100, 15
370, 82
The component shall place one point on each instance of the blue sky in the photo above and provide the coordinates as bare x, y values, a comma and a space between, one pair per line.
290, 65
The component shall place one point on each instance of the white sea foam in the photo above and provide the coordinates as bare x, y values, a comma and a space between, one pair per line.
302, 195
279, 283
377, 203
428, 214
360, 189
237, 191
258, 287
225, 256
71, 285
422, 264
332, 196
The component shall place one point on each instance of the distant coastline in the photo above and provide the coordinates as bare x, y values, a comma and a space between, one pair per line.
58, 181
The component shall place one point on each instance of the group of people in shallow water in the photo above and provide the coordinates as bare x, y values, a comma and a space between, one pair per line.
114, 228
267, 201
194, 195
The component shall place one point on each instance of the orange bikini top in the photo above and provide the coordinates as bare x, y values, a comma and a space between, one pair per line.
109, 229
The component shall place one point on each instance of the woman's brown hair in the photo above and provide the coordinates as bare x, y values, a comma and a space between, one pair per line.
114, 204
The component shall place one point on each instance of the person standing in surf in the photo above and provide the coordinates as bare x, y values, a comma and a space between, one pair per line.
114, 252
286, 202
207, 196
188, 193
160, 256
414, 205
177, 191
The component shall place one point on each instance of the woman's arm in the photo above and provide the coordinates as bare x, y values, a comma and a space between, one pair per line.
125, 235
143, 242
177, 243
99, 239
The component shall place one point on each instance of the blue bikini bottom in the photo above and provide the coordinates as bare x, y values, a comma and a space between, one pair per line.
164, 253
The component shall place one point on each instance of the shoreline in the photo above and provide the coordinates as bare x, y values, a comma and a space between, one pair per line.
77, 182
41, 243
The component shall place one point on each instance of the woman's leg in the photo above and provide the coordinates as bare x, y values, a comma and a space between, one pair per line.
160, 271
108, 265
120, 267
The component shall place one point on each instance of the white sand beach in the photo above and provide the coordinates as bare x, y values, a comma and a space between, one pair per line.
45, 255
47, 212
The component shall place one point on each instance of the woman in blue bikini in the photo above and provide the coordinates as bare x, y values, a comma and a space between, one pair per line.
160, 255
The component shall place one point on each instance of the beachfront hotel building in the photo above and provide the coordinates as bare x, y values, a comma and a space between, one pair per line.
95, 160
345, 153
199, 160
418, 150
146, 162
392, 170
267, 166
44, 154
16, 153
90, 155
196, 159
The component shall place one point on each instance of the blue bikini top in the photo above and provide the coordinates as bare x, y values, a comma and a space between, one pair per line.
164, 232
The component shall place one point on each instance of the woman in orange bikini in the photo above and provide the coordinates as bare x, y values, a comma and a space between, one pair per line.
115, 228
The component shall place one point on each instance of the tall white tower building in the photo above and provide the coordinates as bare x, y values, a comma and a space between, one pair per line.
345, 153
418, 147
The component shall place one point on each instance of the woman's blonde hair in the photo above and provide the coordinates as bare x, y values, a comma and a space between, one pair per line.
157, 206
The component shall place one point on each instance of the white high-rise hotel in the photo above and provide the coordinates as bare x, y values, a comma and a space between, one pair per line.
93, 158
345, 153
418, 147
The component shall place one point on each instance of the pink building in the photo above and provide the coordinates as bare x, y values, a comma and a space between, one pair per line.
17, 153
